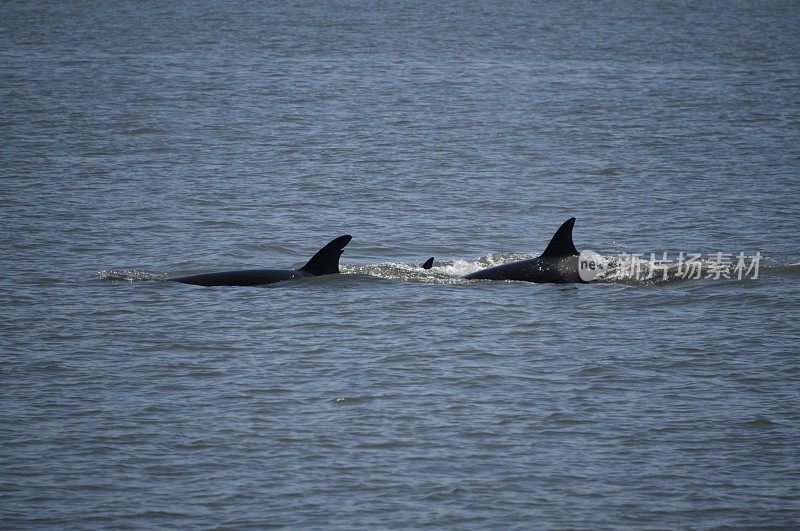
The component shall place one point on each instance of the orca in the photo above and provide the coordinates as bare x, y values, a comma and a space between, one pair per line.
325, 262
557, 264
428, 263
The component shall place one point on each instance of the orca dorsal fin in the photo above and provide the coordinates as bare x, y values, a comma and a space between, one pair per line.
326, 261
428, 263
561, 244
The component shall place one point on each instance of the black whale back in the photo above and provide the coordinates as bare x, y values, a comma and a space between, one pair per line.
558, 263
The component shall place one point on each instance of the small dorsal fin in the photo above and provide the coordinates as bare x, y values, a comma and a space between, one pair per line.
561, 244
326, 261
428, 263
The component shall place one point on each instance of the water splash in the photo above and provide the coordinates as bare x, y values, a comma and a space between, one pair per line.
440, 273
130, 275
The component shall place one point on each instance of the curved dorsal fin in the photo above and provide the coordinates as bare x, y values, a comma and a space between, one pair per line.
326, 261
561, 244
428, 263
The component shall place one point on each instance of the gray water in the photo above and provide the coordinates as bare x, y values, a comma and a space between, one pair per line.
143, 140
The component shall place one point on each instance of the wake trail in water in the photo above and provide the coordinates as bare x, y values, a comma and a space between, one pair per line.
130, 275
623, 271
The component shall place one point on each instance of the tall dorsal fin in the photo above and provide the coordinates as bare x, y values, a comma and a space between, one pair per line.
561, 244
326, 261
428, 263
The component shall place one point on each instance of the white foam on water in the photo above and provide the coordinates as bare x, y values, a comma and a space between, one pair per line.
130, 275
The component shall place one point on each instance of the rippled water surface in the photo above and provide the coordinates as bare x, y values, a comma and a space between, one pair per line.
144, 140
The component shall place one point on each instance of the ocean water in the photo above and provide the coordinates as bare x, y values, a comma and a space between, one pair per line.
143, 140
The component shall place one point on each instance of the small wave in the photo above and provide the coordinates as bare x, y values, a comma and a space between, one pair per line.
784, 270
761, 423
607, 172
591, 371
382, 445
564, 419
352, 400
130, 275
143, 131
270, 391
53, 367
